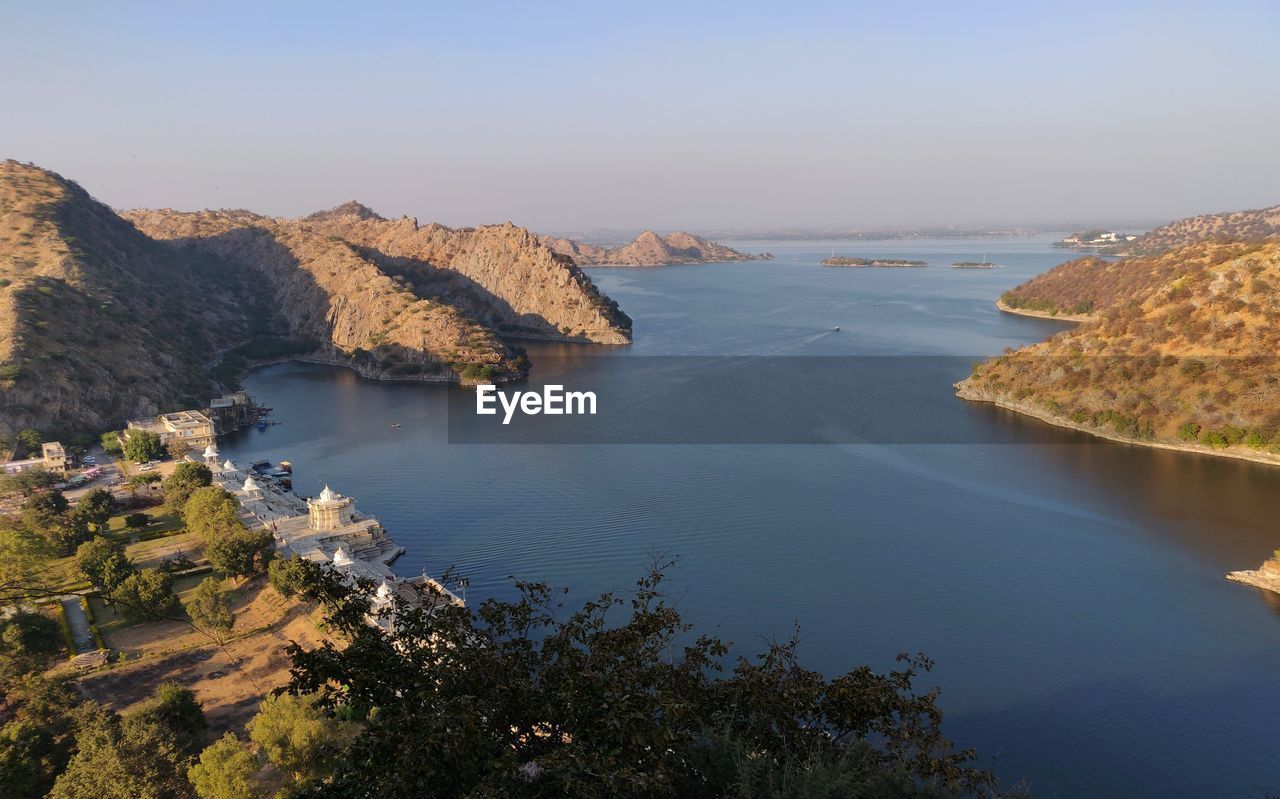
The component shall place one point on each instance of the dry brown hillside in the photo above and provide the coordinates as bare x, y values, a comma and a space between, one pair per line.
1182, 350
501, 275
1243, 226
104, 317
97, 321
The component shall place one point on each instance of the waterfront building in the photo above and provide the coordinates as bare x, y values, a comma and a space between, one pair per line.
192, 428
231, 412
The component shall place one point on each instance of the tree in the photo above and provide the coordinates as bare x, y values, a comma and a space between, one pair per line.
176, 448
225, 771
141, 446
512, 699
212, 512
292, 576
103, 563
176, 708
96, 506
29, 642
24, 555
111, 442
208, 608
185, 479
137, 521
26, 483
298, 737
67, 532
147, 594
241, 553
122, 758
47, 505
36, 739
28, 442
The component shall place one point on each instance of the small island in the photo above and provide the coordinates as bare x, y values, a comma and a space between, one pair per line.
975, 265
841, 260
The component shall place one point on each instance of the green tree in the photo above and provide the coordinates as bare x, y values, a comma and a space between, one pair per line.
618, 699
67, 532
292, 576
209, 610
37, 736
176, 708
129, 758
298, 737
225, 771
137, 521
26, 483
46, 507
141, 446
29, 642
147, 594
28, 443
103, 563
212, 512
96, 507
111, 442
24, 556
183, 482
241, 553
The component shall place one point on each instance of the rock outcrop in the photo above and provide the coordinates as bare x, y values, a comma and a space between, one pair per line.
1260, 224
650, 249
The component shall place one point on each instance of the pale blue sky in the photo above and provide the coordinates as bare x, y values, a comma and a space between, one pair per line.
573, 116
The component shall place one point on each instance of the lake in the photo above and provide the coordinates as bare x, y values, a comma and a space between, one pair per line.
1071, 590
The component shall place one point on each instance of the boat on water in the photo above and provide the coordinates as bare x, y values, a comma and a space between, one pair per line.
835, 329
397, 424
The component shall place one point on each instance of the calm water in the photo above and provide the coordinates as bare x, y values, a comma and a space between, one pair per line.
1070, 590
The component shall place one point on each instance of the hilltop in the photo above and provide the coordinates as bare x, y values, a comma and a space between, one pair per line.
1262, 224
1176, 350
105, 316
650, 249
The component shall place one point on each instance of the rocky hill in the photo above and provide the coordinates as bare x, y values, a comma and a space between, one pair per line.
1179, 350
500, 275
650, 249
106, 316
97, 321
1246, 226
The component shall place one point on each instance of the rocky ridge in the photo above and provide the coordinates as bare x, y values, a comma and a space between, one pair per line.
650, 249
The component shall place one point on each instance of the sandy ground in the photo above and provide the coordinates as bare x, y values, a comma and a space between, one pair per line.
229, 684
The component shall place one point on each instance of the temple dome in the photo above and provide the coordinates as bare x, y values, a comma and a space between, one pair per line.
329, 495
249, 485
341, 558
228, 466
211, 451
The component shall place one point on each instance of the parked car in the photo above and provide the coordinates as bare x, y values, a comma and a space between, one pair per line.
88, 459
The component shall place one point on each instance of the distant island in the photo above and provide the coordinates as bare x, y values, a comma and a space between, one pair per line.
650, 249
975, 265
842, 260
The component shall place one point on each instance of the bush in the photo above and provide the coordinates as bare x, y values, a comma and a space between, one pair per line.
1189, 431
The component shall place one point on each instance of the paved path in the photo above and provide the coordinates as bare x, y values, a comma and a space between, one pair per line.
79, 623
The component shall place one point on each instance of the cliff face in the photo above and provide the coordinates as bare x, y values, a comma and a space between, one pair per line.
501, 275
98, 322
649, 249
1181, 351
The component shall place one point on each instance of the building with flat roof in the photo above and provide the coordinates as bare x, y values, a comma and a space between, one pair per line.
193, 428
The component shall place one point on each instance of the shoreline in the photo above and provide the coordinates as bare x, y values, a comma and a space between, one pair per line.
1061, 317
966, 393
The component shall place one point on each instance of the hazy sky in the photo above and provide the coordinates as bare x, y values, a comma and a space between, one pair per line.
574, 116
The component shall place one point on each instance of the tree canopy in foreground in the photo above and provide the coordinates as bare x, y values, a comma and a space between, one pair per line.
619, 698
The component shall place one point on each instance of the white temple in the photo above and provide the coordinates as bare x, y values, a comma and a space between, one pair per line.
326, 529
